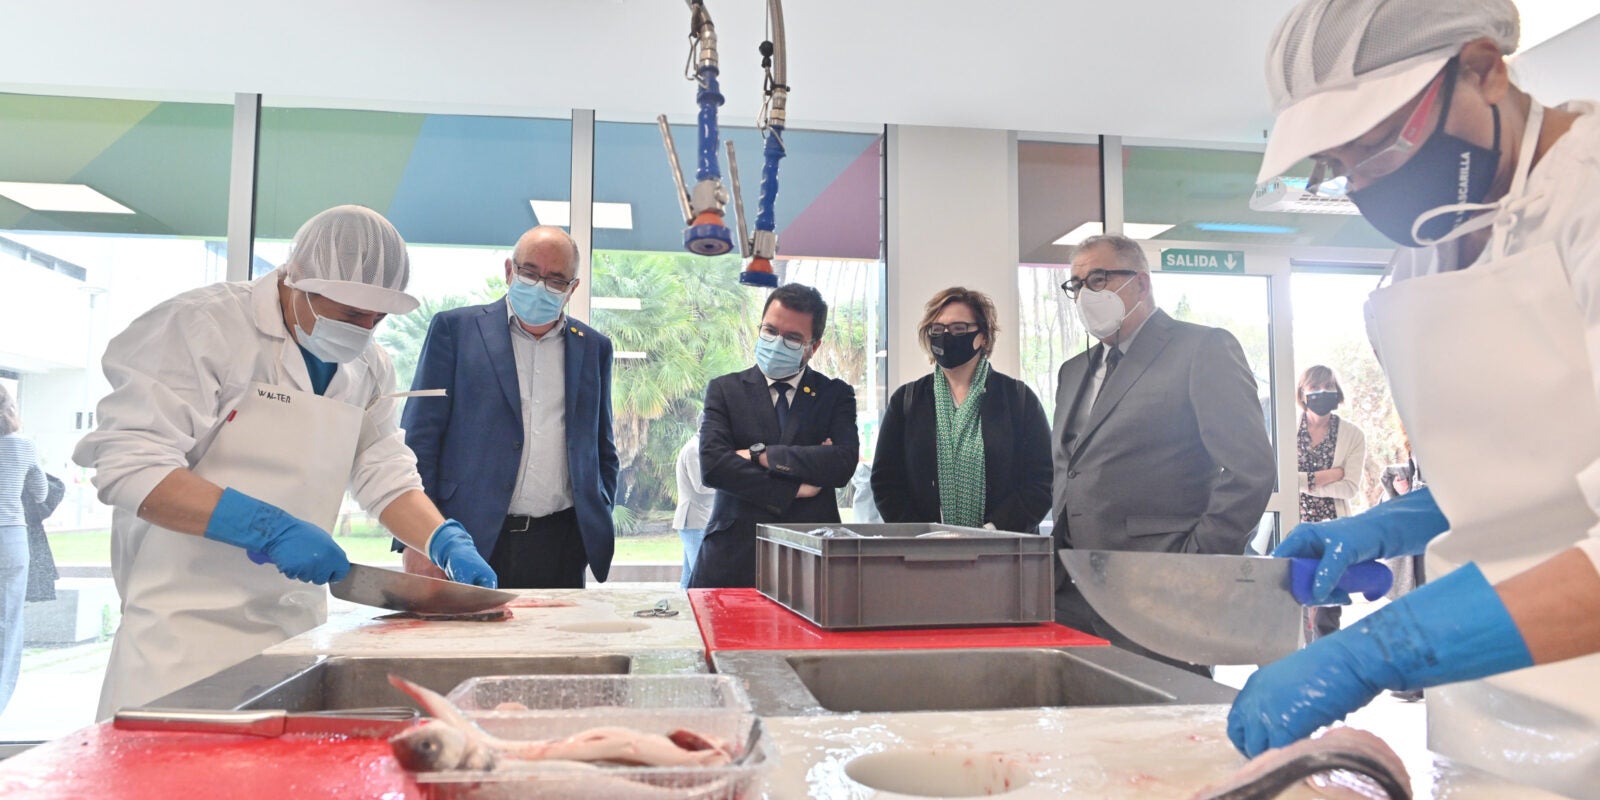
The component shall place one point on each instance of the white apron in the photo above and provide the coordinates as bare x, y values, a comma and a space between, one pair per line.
193, 606
1491, 377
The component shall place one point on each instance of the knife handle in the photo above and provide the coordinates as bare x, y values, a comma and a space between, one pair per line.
248, 723
1371, 578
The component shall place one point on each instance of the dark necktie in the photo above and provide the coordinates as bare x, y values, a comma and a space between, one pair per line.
1113, 358
783, 403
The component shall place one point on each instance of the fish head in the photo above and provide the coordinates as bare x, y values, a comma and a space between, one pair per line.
432, 746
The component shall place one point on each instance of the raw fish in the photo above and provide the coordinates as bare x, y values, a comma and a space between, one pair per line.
1379, 775
451, 741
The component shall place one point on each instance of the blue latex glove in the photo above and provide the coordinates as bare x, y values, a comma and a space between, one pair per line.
1453, 629
299, 549
450, 548
1400, 527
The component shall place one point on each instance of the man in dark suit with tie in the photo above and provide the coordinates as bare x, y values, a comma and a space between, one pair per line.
521, 450
1159, 442
777, 439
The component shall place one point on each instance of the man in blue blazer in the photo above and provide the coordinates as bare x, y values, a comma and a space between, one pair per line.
777, 439
521, 451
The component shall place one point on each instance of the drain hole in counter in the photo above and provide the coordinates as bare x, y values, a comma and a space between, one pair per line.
603, 626
938, 773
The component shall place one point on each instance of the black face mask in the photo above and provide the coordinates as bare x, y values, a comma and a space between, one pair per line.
951, 351
1444, 171
1323, 403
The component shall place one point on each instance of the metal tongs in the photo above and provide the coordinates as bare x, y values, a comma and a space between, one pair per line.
661, 609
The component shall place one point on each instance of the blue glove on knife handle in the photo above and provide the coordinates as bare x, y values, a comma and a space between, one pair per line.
1453, 629
1371, 578
1400, 527
450, 548
299, 549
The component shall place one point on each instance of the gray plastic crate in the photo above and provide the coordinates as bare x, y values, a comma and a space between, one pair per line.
980, 577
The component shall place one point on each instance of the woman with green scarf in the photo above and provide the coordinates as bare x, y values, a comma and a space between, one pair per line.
964, 445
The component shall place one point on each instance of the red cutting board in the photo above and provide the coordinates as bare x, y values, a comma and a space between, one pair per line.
103, 763
744, 619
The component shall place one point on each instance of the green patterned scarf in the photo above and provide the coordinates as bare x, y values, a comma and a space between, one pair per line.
962, 483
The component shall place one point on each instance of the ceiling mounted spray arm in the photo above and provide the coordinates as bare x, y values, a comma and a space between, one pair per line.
703, 208
763, 243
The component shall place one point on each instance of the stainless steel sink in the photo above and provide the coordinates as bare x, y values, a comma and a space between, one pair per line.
820, 682
315, 683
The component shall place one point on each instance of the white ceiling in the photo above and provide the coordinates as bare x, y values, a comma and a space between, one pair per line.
1170, 69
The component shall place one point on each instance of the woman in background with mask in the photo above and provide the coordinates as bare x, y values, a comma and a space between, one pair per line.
238, 416
964, 445
1332, 452
1494, 197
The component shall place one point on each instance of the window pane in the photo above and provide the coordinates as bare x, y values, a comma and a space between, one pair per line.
73, 279
1051, 330
1058, 199
460, 189
678, 320
1330, 329
1058, 205
1205, 196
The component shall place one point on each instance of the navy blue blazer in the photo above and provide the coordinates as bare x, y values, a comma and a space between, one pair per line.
469, 444
739, 413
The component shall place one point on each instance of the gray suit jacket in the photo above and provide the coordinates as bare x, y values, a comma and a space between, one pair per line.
1175, 455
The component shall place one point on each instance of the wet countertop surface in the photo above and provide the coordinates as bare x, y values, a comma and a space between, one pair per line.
543, 621
1143, 752
1106, 753
1150, 753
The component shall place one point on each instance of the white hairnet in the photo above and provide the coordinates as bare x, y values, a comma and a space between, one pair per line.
352, 255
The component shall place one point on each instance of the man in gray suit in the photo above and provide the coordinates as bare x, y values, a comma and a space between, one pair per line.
1159, 442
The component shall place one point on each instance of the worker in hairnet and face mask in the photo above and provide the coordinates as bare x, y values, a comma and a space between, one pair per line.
238, 415
1496, 201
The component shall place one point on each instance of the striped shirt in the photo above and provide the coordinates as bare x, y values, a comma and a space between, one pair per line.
20, 475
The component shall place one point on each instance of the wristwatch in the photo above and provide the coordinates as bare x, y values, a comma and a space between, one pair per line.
756, 450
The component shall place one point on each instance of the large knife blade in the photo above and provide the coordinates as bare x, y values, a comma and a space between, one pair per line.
1207, 609
356, 723
401, 591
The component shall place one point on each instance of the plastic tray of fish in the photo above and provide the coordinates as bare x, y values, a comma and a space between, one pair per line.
553, 707
565, 780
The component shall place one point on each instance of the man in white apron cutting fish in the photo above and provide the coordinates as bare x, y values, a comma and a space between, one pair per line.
1490, 336
239, 413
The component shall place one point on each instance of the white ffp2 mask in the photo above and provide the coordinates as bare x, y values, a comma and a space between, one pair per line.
1103, 311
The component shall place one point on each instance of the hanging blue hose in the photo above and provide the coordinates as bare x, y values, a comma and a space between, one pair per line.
766, 216
709, 97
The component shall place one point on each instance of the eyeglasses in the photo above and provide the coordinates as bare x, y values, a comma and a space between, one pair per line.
1389, 159
956, 328
530, 274
793, 341
1095, 281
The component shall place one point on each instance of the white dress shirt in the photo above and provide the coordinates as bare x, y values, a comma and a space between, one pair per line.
544, 480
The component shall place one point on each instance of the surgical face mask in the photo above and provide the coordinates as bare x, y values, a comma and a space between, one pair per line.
952, 350
331, 340
534, 304
1322, 403
1103, 311
776, 360
1444, 171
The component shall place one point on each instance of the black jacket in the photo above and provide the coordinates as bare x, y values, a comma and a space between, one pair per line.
739, 413
1016, 441
41, 562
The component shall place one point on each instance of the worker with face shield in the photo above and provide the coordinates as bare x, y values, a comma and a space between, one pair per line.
1495, 200
238, 416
